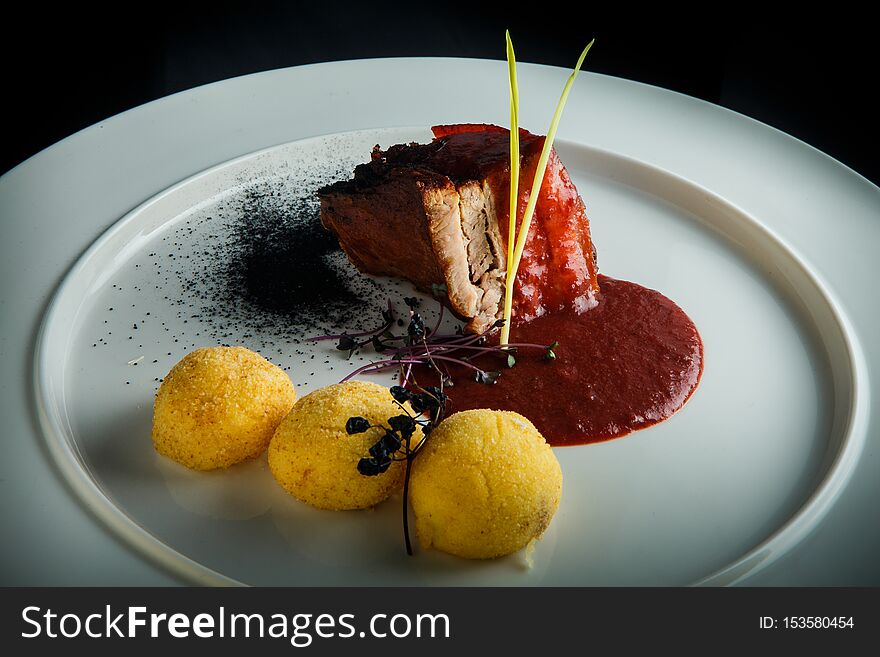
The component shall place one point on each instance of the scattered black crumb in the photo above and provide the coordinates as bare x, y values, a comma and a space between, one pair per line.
282, 264
260, 271
269, 273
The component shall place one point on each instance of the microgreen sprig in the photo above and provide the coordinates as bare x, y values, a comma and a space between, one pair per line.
420, 345
348, 342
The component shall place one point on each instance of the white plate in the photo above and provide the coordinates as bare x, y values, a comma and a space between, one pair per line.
717, 494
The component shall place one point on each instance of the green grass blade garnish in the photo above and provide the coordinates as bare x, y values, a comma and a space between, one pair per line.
540, 170
514, 183
514, 141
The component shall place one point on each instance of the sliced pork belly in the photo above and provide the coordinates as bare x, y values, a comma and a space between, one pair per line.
437, 213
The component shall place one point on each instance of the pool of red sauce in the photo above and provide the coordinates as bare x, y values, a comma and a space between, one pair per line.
629, 363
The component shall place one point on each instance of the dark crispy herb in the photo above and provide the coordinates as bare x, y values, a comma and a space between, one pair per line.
396, 443
373, 467
400, 394
427, 347
416, 328
356, 425
403, 424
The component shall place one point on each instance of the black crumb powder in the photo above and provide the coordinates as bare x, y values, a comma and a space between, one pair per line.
281, 264
268, 272
256, 267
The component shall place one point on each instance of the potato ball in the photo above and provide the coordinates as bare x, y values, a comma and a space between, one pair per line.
485, 484
219, 406
315, 459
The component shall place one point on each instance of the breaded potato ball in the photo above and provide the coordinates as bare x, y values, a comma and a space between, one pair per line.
484, 485
219, 406
315, 459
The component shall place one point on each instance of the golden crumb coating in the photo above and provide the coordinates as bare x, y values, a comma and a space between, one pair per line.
315, 460
485, 484
219, 406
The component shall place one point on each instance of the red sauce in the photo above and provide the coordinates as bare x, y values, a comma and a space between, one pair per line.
629, 363
628, 357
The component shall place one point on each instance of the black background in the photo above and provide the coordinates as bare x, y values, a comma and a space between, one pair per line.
810, 74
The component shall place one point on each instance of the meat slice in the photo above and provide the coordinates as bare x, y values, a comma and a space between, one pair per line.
437, 213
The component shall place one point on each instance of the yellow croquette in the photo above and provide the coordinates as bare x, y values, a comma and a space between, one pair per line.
485, 484
219, 406
315, 460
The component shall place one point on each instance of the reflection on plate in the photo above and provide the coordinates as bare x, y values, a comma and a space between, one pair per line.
741, 474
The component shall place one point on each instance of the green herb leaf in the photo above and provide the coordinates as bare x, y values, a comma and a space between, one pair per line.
486, 378
514, 181
516, 255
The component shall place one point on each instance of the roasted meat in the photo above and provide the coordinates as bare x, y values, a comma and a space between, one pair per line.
437, 213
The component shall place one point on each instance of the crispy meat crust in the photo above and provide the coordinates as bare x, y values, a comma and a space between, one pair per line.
437, 213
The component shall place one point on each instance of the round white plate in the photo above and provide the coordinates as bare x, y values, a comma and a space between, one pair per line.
782, 373
732, 224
